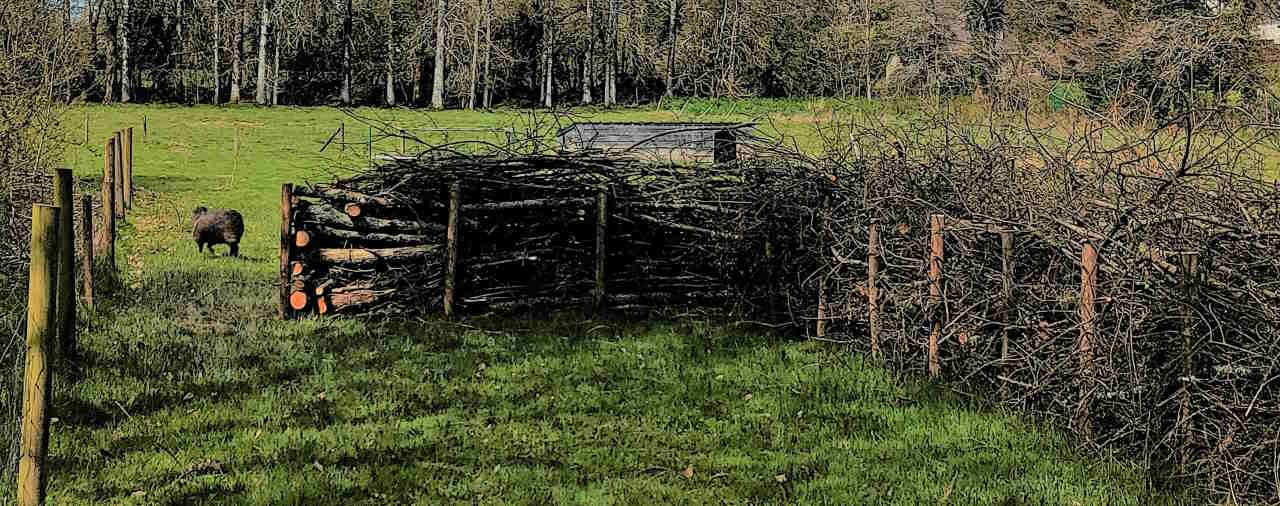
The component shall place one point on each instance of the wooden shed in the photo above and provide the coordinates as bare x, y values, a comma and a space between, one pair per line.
679, 141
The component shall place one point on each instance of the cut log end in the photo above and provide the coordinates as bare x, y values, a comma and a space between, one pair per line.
352, 209
298, 301
302, 238
296, 268
321, 306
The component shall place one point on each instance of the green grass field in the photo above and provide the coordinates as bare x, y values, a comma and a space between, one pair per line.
192, 392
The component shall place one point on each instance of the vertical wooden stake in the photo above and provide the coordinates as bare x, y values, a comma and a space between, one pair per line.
873, 291
602, 224
286, 244
235, 164
342, 144
86, 248
370, 141
935, 292
1189, 268
1088, 315
86, 127
1006, 296
128, 168
109, 204
403, 149
117, 176
41, 311
144, 128
66, 263
451, 263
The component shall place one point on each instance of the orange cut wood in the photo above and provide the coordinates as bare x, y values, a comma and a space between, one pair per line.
298, 301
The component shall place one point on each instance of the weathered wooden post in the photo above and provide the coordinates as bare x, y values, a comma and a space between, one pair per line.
342, 144
41, 311
1189, 266
1088, 316
935, 292
66, 263
117, 175
128, 168
86, 127
451, 249
286, 226
403, 137
109, 204
602, 224
1006, 296
370, 142
873, 291
86, 248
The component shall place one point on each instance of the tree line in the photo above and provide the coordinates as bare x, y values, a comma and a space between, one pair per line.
475, 53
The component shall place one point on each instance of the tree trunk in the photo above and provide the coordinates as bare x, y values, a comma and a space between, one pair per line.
217, 49
112, 74
488, 48
586, 55
437, 79
866, 18
671, 47
548, 41
611, 59
391, 71
182, 52
260, 95
126, 84
236, 57
346, 54
475, 56
275, 75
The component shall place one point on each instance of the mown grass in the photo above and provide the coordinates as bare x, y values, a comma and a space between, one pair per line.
192, 392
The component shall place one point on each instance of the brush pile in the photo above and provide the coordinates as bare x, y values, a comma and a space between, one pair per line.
530, 233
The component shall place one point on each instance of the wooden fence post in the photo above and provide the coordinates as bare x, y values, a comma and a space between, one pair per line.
286, 243
1088, 315
1006, 296
128, 168
602, 224
41, 311
66, 263
342, 143
451, 263
117, 175
109, 205
86, 127
86, 248
935, 292
873, 291
1189, 268
370, 141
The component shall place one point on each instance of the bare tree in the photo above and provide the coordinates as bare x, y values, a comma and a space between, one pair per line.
587, 61
671, 46
238, 54
611, 58
391, 71
264, 20
347, 45
488, 51
437, 80
126, 84
217, 50
548, 44
475, 54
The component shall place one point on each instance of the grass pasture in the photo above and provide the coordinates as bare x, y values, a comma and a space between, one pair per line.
192, 392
